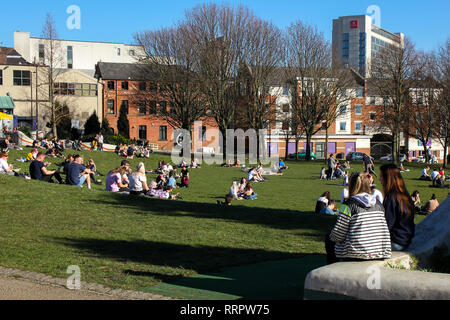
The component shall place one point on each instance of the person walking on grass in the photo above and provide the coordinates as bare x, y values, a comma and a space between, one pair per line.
361, 232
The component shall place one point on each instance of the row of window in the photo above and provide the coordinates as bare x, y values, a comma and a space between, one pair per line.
75, 89
163, 133
143, 86
142, 107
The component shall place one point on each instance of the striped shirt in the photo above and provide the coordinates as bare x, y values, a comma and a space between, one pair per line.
361, 232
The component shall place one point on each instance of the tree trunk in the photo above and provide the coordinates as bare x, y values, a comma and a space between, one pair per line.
326, 145
395, 146
445, 153
308, 147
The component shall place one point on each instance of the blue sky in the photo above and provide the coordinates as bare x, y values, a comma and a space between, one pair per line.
427, 22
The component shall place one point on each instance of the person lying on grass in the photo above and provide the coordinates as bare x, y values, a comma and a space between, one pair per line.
361, 231
155, 192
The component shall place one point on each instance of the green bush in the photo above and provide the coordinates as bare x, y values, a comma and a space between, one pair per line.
115, 140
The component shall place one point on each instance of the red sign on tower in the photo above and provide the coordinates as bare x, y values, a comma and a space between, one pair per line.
354, 24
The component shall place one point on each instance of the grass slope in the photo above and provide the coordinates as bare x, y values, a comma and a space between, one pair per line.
129, 242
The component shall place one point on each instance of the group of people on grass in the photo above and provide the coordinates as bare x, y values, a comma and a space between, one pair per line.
370, 225
335, 170
437, 177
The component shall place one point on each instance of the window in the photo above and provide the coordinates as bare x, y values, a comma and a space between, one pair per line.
142, 107
69, 57
64, 89
152, 107
359, 92
124, 85
285, 125
362, 53
131, 52
118, 51
163, 133
125, 104
110, 85
163, 107
1, 77
110, 106
285, 91
162, 87
41, 54
142, 86
202, 133
143, 132
21, 78
358, 126
345, 52
342, 110
345, 45
372, 100
345, 36
286, 108
385, 100
358, 109
86, 89
372, 116
343, 126
324, 126
153, 87
172, 107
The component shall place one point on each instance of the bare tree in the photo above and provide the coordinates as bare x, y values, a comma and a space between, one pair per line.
53, 59
220, 32
423, 101
261, 71
442, 123
173, 54
315, 87
392, 74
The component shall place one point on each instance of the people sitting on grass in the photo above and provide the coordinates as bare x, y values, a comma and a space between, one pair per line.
171, 181
234, 194
39, 171
131, 151
415, 197
155, 192
323, 174
330, 209
77, 173
322, 202
138, 181
282, 165
249, 193
237, 163
183, 163
92, 166
32, 155
430, 206
345, 194
227, 164
242, 184
184, 178
114, 182
5, 168
424, 175
194, 164
398, 206
437, 179
361, 231
254, 176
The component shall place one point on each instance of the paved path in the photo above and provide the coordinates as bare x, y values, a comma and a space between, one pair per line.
20, 289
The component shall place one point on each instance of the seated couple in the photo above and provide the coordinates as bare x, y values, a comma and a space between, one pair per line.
241, 191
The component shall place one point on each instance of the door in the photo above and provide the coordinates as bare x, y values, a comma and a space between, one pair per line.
331, 148
350, 147
320, 150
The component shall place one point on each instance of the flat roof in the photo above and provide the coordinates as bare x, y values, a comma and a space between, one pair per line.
131, 45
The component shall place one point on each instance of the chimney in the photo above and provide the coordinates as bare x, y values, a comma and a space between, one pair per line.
3, 55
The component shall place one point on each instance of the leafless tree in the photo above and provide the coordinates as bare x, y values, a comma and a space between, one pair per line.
220, 32
174, 54
53, 59
262, 70
316, 86
442, 123
392, 77
423, 101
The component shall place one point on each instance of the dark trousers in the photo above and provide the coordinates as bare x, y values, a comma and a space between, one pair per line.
329, 247
49, 178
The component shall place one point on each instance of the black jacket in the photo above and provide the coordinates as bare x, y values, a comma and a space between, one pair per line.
401, 225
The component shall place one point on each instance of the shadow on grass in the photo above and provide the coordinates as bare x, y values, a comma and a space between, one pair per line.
224, 273
274, 218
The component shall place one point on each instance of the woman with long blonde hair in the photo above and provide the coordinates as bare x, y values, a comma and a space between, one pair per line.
138, 181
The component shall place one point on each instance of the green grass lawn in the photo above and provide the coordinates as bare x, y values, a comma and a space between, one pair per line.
130, 242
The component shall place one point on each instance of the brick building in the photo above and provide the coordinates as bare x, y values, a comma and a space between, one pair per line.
139, 89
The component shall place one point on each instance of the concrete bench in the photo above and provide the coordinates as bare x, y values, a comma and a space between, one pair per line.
376, 280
